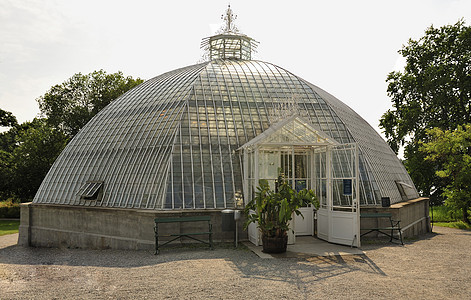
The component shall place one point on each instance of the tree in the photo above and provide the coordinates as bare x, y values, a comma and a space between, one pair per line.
433, 90
36, 149
28, 150
7, 119
452, 149
5, 175
70, 105
13, 179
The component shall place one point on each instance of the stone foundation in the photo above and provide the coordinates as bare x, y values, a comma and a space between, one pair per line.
45, 225
413, 214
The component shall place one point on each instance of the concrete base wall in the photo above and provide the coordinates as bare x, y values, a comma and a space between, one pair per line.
44, 225
413, 214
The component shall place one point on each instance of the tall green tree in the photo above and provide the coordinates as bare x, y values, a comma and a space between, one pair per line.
5, 175
433, 90
7, 141
7, 119
452, 149
37, 147
70, 105
28, 150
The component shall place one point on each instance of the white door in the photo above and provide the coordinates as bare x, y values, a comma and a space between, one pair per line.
305, 226
301, 177
339, 213
254, 234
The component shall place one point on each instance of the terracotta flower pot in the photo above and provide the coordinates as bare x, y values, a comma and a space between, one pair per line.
274, 244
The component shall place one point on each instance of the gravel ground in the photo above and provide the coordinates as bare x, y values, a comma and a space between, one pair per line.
436, 266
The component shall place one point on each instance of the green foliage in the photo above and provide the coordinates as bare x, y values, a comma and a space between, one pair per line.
272, 211
28, 150
10, 202
10, 209
70, 105
458, 225
423, 173
452, 149
444, 213
37, 149
7, 119
434, 90
5, 174
9, 227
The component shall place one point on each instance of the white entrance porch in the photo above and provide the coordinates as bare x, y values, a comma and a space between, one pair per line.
307, 158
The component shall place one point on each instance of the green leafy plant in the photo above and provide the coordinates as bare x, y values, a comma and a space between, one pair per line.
445, 213
452, 148
433, 90
273, 210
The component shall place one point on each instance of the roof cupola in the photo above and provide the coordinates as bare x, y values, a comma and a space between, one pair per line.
229, 43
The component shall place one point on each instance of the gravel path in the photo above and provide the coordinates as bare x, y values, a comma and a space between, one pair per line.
433, 267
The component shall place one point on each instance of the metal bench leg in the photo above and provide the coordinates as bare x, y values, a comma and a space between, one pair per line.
211, 236
398, 225
156, 231
392, 230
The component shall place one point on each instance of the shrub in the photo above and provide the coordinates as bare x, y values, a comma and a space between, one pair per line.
9, 209
445, 213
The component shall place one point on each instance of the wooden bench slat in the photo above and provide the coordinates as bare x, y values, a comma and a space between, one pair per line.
382, 228
190, 233
181, 234
378, 215
182, 219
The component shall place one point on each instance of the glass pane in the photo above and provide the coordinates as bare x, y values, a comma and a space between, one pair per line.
268, 164
300, 163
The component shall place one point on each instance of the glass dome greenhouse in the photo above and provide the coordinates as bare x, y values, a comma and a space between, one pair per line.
177, 141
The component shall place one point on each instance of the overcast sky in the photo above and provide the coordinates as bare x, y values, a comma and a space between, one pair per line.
345, 47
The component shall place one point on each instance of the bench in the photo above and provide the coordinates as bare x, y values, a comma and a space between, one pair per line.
393, 226
190, 235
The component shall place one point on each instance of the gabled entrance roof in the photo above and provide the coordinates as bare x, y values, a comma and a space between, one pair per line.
294, 130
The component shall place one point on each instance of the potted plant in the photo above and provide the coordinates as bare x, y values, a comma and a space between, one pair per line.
272, 211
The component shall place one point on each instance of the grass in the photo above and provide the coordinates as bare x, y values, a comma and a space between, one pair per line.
444, 214
445, 217
457, 224
9, 226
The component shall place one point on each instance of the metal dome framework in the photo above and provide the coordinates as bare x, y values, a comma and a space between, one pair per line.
171, 142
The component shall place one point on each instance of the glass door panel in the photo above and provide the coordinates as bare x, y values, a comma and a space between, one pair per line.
268, 165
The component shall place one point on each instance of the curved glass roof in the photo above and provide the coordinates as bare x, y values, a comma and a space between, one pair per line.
171, 142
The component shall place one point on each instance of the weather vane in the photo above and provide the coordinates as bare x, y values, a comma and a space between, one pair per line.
229, 18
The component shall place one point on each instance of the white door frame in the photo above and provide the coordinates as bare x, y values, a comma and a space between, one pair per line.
340, 224
332, 221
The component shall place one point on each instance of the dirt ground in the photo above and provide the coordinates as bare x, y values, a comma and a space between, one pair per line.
436, 266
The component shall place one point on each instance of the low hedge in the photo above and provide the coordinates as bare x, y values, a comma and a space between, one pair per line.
10, 212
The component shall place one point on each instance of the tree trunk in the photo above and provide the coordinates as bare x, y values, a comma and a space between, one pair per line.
466, 215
